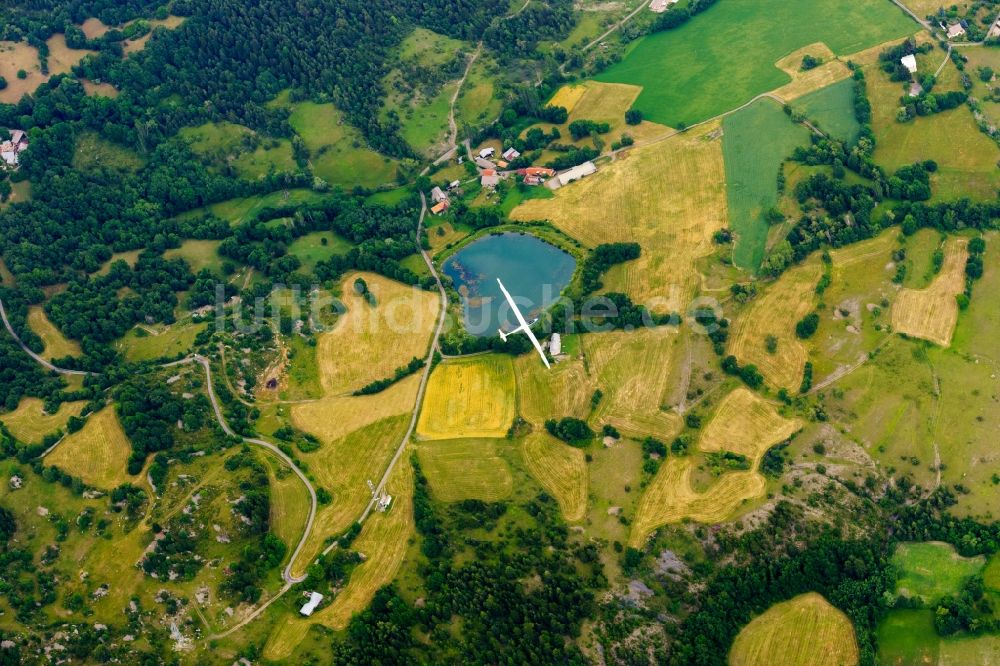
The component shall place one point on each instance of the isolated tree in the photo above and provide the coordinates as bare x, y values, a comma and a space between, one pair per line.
633, 116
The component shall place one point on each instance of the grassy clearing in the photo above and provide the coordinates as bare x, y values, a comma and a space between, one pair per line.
477, 104
391, 333
63, 59
565, 390
832, 110
669, 197
383, 541
931, 313
804, 631
464, 469
932, 570
746, 424
56, 344
98, 453
289, 502
226, 142
13, 57
908, 638
199, 254
775, 313
669, 498
100, 89
93, 152
244, 208
632, 370
752, 172
469, 398
30, 424
141, 345
20, 192
316, 247
965, 168
726, 54
443, 234
970, 650
560, 469
338, 152
135, 45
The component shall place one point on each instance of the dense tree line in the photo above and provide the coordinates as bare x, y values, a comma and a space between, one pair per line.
148, 412
601, 259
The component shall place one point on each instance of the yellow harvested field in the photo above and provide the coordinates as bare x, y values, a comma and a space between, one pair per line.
56, 344
746, 424
98, 453
562, 471
669, 498
542, 394
931, 313
670, 197
15, 56
568, 96
775, 313
803, 82
633, 372
30, 424
93, 28
804, 631
289, 502
368, 343
469, 398
62, 58
383, 541
334, 417
343, 468
464, 469
447, 234
139, 44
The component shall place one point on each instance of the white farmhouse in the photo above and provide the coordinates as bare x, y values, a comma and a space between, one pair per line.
486, 152
577, 173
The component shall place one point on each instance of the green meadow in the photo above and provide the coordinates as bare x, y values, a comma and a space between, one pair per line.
907, 638
752, 172
832, 110
727, 53
932, 570
317, 246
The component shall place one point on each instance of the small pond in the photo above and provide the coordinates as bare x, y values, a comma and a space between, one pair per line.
534, 272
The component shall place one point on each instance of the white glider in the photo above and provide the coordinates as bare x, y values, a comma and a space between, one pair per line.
523, 326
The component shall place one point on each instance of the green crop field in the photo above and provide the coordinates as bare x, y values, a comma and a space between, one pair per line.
907, 638
752, 171
832, 110
728, 53
932, 570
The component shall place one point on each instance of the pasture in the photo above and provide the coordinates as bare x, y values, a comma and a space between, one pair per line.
199, 255
15, 56
561, 469
803, 631
477, 103
931, 313
746, 424
316, 247
337, 150
542, 394
965, 168
669, 197
343, 467
56, 344
227, 143
289, 502
29, 423
473, 397
722, 55
390, 333
908, 638
932, 570
95, 152
464, 469
752, 170
832, 110
775, 313
632, 370
98, 453
669, 498
147, 343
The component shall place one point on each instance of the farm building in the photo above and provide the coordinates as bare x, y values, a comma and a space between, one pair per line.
577, 173
453, 184
308, 608
511, 154
483, 163
532, 180
486, 152
555, 345
502, 164
910, 63
490, 178
660, 6
955, 30
543, 172
440, 207
383, 503
438, 195
10, 150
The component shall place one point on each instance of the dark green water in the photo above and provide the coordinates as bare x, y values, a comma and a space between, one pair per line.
534, 272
